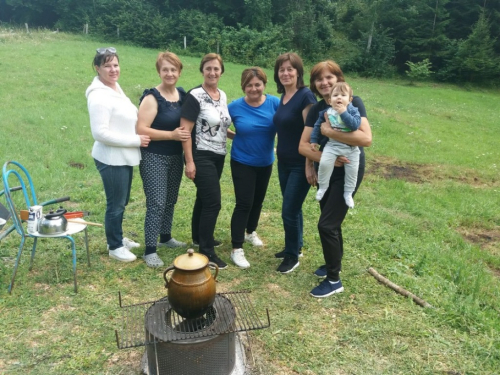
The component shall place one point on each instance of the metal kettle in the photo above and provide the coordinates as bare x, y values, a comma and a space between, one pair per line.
53, 223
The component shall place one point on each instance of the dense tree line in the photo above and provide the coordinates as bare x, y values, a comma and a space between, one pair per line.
372, 37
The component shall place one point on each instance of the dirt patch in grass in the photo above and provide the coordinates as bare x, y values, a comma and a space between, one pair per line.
486, 239
276, 289
128, 361
76, 165
390, 168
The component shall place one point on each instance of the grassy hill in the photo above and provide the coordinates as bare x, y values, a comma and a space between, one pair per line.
427, 217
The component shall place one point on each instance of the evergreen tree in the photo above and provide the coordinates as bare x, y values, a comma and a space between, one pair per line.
476, 59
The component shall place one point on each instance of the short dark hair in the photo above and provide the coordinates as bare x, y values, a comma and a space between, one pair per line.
248, 74
209, 57
102, 58
297, 64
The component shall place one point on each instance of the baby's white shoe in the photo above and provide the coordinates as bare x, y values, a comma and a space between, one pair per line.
320, 194
348, 200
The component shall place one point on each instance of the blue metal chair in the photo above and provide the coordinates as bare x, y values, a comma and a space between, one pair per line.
19, 173
5, 215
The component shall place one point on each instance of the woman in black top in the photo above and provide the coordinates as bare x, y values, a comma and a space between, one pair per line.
161, 164
333, 206
296, 101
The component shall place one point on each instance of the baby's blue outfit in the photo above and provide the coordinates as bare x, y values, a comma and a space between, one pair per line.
347, 121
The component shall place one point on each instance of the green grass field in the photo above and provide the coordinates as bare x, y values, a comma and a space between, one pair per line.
427, 217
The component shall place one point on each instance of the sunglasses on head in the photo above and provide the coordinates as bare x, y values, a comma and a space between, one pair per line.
103, 50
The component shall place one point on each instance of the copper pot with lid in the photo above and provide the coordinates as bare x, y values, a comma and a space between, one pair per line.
191, 287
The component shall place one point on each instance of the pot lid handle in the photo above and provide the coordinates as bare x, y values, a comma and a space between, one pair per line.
191, 261
55, 215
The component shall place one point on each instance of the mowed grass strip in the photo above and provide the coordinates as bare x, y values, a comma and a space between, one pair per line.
427, 217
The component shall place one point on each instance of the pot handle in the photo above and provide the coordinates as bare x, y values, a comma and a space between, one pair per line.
213, 265
165, 275
61, 211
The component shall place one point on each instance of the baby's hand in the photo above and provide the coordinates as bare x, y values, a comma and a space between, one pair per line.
339, 107
314, 147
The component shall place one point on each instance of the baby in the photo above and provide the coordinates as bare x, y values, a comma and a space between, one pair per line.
343, 116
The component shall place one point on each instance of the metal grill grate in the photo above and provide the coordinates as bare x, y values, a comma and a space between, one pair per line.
231, 312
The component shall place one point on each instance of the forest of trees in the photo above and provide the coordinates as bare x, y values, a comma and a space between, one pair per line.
376, 38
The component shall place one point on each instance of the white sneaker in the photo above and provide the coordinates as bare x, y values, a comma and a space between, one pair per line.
238, 257
129, 244
253, 239
122, 254
319, 194
172, 243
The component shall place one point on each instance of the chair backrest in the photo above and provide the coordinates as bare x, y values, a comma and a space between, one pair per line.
23, 179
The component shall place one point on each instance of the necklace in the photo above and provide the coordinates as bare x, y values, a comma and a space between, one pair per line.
215, 93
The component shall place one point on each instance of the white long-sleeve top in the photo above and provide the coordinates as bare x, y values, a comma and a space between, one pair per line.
112, 120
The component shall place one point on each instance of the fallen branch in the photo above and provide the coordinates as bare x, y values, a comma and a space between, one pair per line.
397, 288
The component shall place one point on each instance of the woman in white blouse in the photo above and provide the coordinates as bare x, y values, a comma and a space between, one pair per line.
116, 148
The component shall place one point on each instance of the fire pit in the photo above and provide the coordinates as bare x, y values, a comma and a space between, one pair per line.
175, 345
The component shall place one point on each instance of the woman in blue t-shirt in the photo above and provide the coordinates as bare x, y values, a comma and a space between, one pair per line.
290, 117
161, 165
252, 157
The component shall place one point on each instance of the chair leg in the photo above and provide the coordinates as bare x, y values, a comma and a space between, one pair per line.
73, 250
87, 246
33, 252
11, 286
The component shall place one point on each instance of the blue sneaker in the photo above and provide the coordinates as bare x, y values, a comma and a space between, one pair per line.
321, 271
326, 288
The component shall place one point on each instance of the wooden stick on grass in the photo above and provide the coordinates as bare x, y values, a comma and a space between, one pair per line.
397, 288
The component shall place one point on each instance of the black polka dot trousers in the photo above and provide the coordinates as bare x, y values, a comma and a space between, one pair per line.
161, 177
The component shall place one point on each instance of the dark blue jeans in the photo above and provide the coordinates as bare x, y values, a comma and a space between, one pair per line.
209, 166
117, 182
294, 189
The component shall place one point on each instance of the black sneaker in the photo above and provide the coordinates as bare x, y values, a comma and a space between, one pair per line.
215, 259
282, 254
216, 243
288, 264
